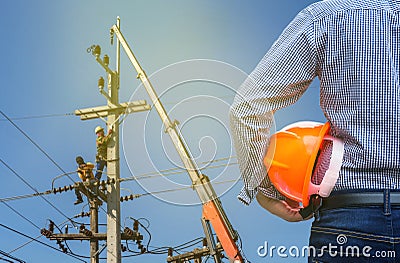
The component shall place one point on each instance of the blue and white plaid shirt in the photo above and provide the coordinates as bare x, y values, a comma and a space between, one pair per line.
353, 47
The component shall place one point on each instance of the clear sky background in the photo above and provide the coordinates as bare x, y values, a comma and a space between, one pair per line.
46, 70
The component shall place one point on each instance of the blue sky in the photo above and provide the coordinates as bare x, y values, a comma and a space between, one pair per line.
46, 70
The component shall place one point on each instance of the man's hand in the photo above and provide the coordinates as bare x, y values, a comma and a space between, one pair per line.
110, 131
279, 208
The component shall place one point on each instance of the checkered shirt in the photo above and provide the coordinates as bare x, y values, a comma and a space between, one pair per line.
353, 48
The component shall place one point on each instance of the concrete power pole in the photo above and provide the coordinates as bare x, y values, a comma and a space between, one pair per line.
213, 213
112, 111
94, 227
113, 195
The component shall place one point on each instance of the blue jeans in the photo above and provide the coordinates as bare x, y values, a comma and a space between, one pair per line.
356, 234
100, 164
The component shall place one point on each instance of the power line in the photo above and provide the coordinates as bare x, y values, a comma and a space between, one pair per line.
11, 257
63, 223
156, 251
6, 260
37, 194
179, 189
199, 97
34, 143
171, 171
49, 159
26, 219
39, 116
40, 242
7, 199
22, 216
30, 186
45, 153
166, 172
43, 116
135, 196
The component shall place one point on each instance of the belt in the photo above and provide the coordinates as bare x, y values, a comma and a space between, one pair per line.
359, 199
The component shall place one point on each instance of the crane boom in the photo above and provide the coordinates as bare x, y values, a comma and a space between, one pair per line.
212, 208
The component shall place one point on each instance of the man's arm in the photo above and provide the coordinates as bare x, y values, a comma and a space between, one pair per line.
278, 81
108, 137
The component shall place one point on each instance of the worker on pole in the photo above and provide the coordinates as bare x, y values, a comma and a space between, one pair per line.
101, 145
85, 172
85, 169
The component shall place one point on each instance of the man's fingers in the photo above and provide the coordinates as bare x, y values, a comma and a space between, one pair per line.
279, 208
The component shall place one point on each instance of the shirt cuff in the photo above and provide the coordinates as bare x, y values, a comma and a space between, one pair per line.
246, 196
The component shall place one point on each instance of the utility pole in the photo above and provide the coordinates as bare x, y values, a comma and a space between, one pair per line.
94, 227
213, 215
112, 111
113, 192
106, 191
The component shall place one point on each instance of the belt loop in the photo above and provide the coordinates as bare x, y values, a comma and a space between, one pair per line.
386, 202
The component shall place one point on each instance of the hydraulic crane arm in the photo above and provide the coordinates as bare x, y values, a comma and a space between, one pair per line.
212, 209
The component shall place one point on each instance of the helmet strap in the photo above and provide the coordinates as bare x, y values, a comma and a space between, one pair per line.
332, 173
312, 208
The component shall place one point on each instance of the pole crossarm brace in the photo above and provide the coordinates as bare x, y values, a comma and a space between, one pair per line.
104, 111
90, 192
201, 184
197, 253
94, 236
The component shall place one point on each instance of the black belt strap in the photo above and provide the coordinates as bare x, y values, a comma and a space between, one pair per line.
348, 200
359, 199
314, 205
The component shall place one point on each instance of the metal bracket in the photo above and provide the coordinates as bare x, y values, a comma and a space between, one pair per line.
172, 126
112, 160
94, 194
200, 181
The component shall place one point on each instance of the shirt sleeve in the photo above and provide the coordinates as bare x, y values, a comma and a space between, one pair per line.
107, 138
278, 81
103, 140
80, 173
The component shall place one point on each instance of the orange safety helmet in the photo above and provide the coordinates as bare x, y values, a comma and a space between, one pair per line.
291, 159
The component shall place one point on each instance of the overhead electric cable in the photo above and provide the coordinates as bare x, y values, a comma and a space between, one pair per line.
10, 256
35, 144
52, 115
22, 216
23, 245
24, 196
39, 116
40, 242
176, 170
160, 173
30, 186
180, 188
